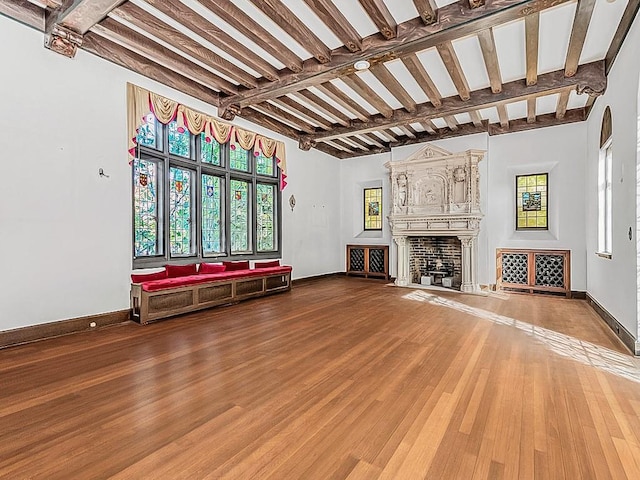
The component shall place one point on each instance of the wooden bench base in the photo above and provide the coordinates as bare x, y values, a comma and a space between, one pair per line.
149, 306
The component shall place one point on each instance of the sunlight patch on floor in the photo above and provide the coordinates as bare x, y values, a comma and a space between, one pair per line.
582, 351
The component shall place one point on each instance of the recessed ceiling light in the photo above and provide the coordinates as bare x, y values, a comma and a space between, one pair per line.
361, 65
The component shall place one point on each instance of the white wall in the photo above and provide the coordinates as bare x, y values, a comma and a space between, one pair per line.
613, 282
65, 232
560, 151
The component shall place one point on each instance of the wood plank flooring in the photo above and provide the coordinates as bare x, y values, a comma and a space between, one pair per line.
342, 378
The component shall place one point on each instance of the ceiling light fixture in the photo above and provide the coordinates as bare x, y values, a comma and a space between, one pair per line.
361, 65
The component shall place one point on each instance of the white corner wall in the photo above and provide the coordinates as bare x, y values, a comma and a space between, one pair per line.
613, 282
560, 151
66, 232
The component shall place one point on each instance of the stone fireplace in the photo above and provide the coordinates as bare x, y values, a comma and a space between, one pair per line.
436, 204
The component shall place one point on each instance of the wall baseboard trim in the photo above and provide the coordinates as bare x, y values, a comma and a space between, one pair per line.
314, 278
579, 295
33, 333
616, 327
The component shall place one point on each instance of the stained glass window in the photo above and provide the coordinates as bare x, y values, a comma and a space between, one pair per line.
211, 215
209, 150
194, 197
145, 201
180, 205
264, 165
179, 140
265, 217
147, 132
240, 214
373, 208
531, 202
238, 157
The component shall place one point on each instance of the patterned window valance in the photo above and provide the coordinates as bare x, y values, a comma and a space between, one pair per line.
141, 102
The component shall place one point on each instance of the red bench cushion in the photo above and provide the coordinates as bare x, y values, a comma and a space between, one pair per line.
164, 284
211, 268
242, 265
272, 263
181, 270
147, 277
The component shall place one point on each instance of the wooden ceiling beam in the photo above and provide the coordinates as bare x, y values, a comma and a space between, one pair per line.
24, 12
490, 55
341, 143
629, 14
286, 117
352, 144
306, 113
561, 107
451, 122
153, 26
419, 73
394, 86
547, 120
368, 94
581, 21
124, 57
268, 122
428, 10
455, 21
216, 36
341, 98
325, 107
590, 79
246, 25
531, 110
294, 27
381, 16
362, 145
335, 21
79, 15
408, 131
375, 140
389, 135
429, 126
440, 134
475, 118
503, 115
452, 64
142, 45
532, 34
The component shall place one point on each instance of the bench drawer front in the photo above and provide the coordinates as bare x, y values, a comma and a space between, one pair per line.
278, 281
215, 293
170, 301
248, 287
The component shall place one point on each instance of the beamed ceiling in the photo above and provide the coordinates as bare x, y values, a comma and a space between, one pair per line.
438, 69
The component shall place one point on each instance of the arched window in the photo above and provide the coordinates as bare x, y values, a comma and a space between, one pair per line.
605, 230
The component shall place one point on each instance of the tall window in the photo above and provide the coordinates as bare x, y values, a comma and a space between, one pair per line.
197, 200
605, 210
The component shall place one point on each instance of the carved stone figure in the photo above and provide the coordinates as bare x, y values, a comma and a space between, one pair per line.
402, 190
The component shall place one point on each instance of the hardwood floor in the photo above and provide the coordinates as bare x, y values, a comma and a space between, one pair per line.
342, 378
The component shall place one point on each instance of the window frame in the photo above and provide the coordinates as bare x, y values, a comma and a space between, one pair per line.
198, 167
546, 197
605, 200
365, 207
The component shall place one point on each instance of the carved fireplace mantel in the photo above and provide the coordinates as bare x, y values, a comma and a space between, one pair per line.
437, 193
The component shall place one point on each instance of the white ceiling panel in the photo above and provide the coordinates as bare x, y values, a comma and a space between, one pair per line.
353, 95
379, 88
490, 114
397, 68
472, 63
547, 104
555, 32
607, 15
517, 110
331, 102
435, 68
510, 48
463, 118
439, 122
577, 101
309, 18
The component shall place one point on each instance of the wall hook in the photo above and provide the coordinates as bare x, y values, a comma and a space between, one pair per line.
102, 174
292, 202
